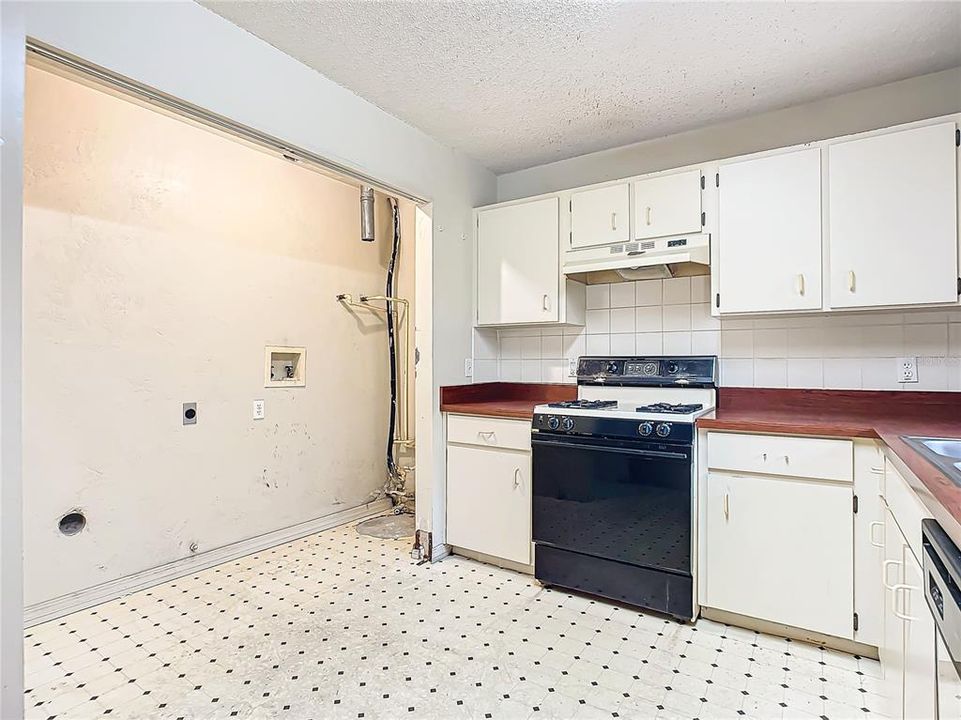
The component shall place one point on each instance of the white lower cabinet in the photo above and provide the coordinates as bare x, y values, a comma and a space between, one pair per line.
780, 549
489, 493
907, 649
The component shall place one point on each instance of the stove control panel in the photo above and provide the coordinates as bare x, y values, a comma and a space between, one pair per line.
697, 371
599, 426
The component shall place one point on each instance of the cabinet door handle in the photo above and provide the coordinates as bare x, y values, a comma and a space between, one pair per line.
764, 457
851, 281
647, 214
877, 470
884, 573
876, 523
613, 221
517, 475
547, 302
800, 284
787, 460
727, 506
898, 611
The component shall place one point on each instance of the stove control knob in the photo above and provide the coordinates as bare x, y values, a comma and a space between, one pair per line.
645, 428
612, 367
553, 423
671, 368
568, 424
663, 430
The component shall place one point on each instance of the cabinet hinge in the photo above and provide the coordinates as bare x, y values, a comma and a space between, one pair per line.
855, 504
855, 621
717, 179
703, 217
717, 300
702, 182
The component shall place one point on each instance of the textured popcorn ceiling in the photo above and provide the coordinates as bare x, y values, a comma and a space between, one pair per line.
516, 84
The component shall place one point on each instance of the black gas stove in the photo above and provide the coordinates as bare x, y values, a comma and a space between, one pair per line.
613, 493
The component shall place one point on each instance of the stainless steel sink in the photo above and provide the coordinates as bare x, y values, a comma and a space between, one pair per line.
945, 453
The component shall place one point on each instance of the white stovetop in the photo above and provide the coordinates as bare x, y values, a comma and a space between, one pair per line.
627, 411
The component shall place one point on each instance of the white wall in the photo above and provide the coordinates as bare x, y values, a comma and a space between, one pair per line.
186, 51
160, 260
653, 317
899, 102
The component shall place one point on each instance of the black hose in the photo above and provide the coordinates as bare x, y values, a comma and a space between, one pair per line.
392, 343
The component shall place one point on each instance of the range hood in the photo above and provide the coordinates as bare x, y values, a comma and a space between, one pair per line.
641, 258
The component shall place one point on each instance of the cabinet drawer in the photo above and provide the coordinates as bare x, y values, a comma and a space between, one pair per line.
782, 455
489, 432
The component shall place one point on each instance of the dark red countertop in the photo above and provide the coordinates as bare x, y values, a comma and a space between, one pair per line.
877, 414
502, 399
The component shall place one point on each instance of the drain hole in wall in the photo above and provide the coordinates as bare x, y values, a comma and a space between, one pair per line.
72, 523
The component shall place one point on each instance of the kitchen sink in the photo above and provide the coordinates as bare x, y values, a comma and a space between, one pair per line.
945, 453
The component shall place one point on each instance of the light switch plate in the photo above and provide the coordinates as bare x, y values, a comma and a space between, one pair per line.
259, 410
907, 370
572, 367
468, 367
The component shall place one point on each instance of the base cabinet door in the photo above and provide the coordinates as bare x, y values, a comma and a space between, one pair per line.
920, 667
796, 535
489, 501
891, 650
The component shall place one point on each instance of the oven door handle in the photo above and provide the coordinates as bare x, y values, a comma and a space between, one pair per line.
666, 454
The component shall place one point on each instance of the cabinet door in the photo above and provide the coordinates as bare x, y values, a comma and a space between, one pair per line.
600, 216
891, 650
489, 501
518, 263
769, 233
893, 218
796, 535
667, 205
920, 667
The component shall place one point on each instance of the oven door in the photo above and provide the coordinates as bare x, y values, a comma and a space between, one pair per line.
625, 501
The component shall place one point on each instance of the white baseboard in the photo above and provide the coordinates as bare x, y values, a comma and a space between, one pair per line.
113, 589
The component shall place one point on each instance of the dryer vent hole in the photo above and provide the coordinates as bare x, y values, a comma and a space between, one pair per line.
72, 523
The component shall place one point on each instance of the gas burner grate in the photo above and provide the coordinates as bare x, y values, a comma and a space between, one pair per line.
584, 404
669, 408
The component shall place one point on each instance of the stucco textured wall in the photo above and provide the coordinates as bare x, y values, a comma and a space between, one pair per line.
160, 259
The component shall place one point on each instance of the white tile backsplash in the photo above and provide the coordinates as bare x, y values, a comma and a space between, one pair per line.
654, 317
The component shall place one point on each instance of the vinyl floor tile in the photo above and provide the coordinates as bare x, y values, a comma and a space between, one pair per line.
339, 625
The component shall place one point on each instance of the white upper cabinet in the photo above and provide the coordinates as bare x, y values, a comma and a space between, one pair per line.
519, 280
600, 216
769, 233
892, 218
667, 205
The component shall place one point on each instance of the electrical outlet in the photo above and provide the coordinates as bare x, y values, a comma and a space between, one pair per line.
572, 367
907, 370
468, 367
259, 410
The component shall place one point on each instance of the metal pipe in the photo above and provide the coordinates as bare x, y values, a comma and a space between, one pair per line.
364, 302
367, 213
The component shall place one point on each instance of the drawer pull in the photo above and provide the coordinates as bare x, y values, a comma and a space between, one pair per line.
787, 460
898, 611
547, 302
877, 471
517, 475
884, 573
851, 281
487, 435
764, 457
800, 284
876, 523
